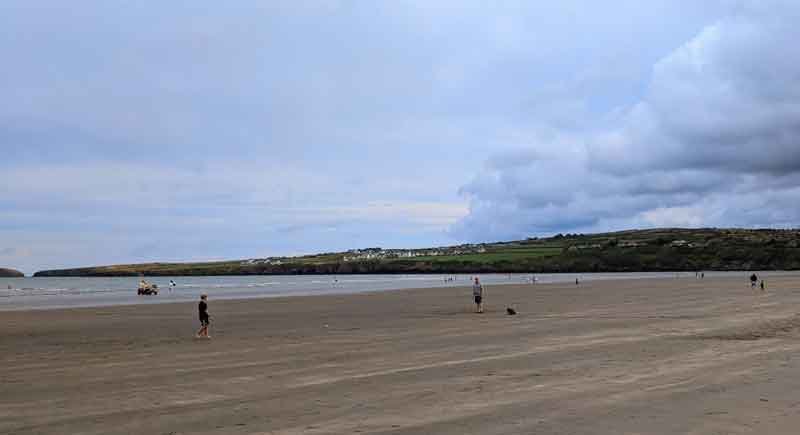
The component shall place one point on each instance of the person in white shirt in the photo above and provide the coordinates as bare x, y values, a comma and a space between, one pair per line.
477, 295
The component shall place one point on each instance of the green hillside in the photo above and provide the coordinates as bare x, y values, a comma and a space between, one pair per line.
669, 249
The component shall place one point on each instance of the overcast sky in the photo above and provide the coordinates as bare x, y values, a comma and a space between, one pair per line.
160, 131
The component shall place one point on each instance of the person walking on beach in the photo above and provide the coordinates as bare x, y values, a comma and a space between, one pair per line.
753, 280
204, 319
477, 295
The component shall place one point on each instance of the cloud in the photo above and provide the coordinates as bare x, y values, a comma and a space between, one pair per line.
14, 252
252, 129
714, 140
70, 215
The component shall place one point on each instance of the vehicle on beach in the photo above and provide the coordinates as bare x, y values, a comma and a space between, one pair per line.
146, 288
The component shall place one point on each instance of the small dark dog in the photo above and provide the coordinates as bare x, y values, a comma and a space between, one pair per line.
511, 311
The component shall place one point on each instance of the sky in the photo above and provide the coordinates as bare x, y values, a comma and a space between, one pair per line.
200, 130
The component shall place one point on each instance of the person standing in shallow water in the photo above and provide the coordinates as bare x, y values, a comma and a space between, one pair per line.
477, 295
202, 308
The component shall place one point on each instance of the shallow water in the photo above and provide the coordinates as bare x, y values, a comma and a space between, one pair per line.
46, 293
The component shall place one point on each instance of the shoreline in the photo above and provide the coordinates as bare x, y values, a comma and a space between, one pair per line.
390, 273
151, 302
59, 298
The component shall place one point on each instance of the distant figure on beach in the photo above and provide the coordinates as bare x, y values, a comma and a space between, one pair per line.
576, 281
477, 295
171, 285
762, 285
753, 280
702, 275
204, 319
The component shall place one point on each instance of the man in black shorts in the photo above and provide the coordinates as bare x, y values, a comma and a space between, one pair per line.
204, 319
477, 295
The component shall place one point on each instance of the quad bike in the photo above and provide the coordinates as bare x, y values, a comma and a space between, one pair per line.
146, 288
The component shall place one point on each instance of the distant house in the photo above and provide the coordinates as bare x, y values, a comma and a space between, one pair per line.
378, 253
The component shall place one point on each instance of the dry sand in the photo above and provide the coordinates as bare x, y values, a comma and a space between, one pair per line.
669, 356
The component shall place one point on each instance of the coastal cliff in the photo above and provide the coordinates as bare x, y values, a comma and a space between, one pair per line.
10, 273
671, 249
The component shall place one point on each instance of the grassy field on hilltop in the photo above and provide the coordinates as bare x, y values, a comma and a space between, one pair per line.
623, 251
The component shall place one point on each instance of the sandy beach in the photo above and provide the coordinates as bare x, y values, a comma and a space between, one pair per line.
664, 356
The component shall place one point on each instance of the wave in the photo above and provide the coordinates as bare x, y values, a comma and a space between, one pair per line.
55, 291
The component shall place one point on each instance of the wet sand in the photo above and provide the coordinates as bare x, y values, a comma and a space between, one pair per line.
667, 356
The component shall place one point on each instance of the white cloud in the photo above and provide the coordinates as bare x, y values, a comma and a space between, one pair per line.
109, 212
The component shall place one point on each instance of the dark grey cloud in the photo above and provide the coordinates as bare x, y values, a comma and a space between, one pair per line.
714, 140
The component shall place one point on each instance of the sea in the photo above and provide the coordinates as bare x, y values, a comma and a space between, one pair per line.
50, 293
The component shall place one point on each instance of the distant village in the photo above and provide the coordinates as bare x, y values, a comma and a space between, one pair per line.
383, 254
270, 261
